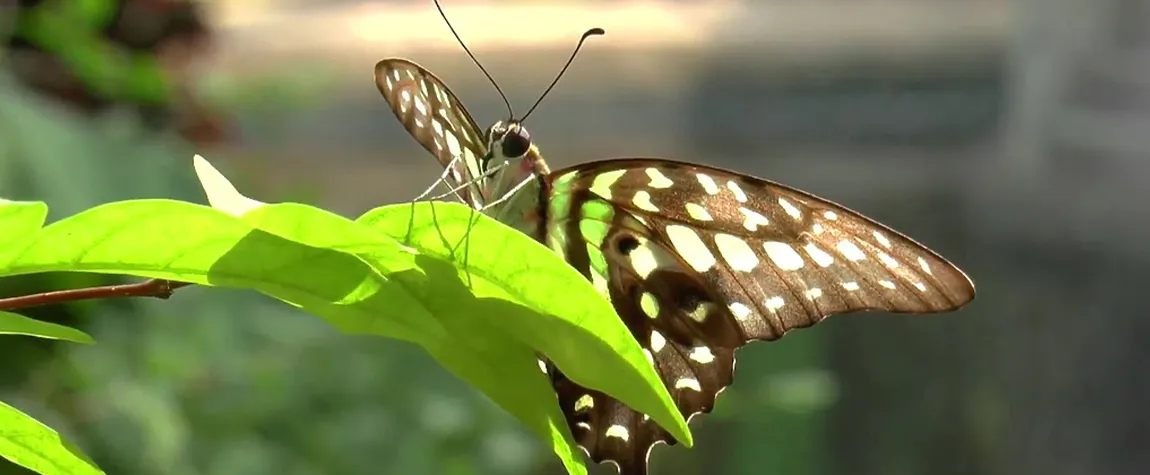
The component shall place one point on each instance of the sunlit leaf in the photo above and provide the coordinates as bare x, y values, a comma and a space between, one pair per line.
14, 324
483, 319
32, 445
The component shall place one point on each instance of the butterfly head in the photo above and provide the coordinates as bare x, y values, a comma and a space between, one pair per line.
516, 172
509, 143
509, 140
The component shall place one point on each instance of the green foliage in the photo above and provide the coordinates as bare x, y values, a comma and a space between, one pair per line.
70, 29
19, 221
481, 298
33, 445
215, 381
13, 324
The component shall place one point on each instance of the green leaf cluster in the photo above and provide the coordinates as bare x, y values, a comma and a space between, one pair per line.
481, 298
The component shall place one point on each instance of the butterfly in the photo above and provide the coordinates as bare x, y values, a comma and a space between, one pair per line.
696, 260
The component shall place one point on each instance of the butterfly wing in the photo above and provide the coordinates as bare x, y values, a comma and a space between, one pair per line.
698, 261
436, 119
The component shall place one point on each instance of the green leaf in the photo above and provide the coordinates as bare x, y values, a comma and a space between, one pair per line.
186, 242
484, 315
588, 341
19, 221
13, 324
32, 445
504, 368
473, 350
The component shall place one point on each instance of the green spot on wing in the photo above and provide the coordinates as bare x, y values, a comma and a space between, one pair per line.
604, 181
594, 227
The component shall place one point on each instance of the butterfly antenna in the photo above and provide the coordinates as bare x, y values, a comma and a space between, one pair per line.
510, 113
586, 34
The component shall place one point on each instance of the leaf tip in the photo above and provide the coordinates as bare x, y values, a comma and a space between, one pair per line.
222, 195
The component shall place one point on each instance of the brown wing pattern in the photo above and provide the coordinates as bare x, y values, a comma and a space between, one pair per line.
436, 119
699, 261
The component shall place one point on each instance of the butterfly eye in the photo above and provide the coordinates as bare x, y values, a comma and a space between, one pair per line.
516, 143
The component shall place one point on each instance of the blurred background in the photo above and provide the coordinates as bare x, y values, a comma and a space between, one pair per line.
1009, 135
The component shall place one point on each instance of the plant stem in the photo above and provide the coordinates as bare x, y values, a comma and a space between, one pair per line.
158, 288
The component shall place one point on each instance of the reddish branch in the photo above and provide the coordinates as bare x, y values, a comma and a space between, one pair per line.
161, 289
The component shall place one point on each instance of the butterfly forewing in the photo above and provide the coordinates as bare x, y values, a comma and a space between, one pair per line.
777, 258
699, 261
436, 119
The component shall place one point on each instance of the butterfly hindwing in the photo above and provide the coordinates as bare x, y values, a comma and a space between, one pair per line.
609, 430
436, 119
694, 369
699, 261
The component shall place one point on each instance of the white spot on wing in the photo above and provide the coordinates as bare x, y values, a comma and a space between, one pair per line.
925, 267
830, 215
702, 355
814, 293
690, 247
657, 341
774, 303
881, 238
736, 252
886, 283
420, 106
739, 310
850, 251
442, 113
658, 179
602, 184
821, 257
649, 304
698, 212
753, 219
584, 403
645, 259
453, 146
790, 209
886, 259
688, 383
643, 201
618, 432
783, 255
708, 184
851, 286
404, 100
738, 192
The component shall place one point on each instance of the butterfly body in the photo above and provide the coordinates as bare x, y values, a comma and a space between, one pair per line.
697, 261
